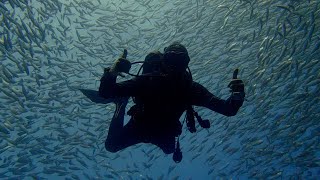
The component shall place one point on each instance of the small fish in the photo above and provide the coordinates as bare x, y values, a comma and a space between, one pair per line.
287, 8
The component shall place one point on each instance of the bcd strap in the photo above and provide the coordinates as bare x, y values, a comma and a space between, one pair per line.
177, 154
191, 122
203, 123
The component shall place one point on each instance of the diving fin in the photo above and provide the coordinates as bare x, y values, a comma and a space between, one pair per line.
95, 97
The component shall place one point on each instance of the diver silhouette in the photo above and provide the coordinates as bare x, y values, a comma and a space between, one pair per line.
161, 94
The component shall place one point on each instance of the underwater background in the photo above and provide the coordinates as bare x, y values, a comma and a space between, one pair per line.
49, 49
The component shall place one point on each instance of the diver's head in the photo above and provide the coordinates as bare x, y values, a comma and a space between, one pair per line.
152, 62
176, 58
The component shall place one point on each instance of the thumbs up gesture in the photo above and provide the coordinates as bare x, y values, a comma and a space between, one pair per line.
121, 64
236, 85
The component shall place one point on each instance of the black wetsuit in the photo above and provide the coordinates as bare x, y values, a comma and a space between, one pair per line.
162, 100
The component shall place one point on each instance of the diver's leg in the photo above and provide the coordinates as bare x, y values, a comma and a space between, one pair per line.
116, 124
120, 137
165, 143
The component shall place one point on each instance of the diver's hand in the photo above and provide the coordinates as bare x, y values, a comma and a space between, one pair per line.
237, 86
121, 64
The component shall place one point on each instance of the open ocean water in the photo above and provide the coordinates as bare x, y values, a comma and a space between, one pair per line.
49, 49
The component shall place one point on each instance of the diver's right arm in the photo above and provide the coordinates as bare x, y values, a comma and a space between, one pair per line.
108, 86
110, 89
107, 81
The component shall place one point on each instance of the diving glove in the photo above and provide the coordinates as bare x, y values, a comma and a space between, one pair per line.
121, 64
237, 87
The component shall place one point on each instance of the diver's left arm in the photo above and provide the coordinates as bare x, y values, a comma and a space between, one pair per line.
200, 96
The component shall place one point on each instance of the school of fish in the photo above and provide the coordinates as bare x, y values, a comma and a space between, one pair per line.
49, 49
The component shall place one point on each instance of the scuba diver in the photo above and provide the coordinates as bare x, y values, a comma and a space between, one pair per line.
161, 94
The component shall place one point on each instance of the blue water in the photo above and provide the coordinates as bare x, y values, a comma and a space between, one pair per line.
51, 49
